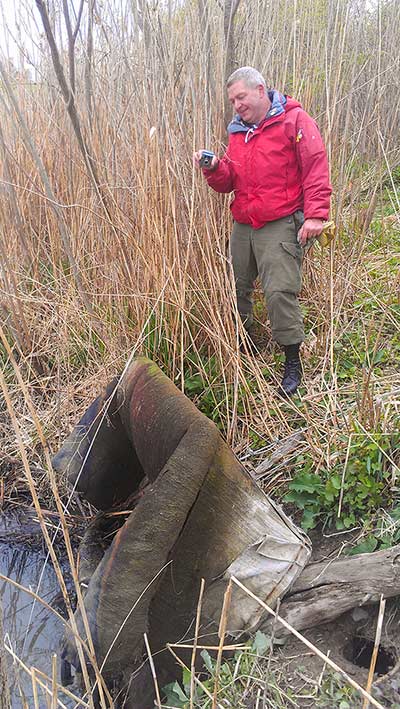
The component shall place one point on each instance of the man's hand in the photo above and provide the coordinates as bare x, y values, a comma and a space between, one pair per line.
197, 157
310, 228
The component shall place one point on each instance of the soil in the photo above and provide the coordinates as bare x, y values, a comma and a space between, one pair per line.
348, 641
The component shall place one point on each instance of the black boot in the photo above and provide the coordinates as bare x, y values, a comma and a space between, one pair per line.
292, 374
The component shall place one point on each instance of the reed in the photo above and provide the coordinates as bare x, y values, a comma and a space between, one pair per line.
111, 241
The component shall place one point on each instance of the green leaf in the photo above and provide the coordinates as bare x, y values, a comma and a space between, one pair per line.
207, 661
395, 513
300, 499
305, 482
336, 481
349, 521
329, 496
396, 537
261, 643
386, 541
368, 545
186, 679
309, 520
175, 696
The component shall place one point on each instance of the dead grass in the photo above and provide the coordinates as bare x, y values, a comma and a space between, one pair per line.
134, 254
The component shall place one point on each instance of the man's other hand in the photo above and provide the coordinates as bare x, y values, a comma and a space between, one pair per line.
197, 158
310, 228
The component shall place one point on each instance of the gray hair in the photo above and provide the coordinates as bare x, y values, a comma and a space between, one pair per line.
250, 76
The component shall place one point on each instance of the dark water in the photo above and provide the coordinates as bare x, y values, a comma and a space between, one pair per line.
30, 629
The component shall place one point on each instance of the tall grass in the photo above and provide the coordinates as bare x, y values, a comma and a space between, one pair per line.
85, 259
88, 254
117, 243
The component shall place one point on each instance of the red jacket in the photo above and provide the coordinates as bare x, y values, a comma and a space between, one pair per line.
276, 168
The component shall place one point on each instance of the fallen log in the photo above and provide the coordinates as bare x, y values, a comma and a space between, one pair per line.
325, 590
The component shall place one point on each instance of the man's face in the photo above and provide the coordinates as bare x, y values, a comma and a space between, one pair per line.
251, 104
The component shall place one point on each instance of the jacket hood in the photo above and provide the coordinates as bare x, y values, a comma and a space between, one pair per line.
279, 104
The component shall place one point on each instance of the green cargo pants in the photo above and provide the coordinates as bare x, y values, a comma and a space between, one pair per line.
273, 254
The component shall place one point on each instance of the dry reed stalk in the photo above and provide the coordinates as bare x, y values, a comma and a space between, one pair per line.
40, 600
60, 688
346, 460
221, 634
33, 595
43, 526
34, 688
310, 645
153, 670
54, 691
271, 649
4, 684
319, 682
195, 642
50, 195
374, 655
103, 691
198, 646
38, 682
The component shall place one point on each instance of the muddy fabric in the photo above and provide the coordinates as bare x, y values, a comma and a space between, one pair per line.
95, 542
98, 456
273, 254
141, 549
155, 414
202, 516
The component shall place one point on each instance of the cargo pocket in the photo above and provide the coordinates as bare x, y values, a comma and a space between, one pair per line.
294, 250
291, 267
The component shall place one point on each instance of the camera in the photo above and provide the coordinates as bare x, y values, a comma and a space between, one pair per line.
206, 159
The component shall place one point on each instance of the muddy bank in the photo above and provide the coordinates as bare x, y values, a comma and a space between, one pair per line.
348, 640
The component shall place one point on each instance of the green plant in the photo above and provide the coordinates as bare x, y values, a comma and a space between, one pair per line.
204, 384
232, 676
383, 532
254, 672
156, 339
334, 693
358, 481
210, 389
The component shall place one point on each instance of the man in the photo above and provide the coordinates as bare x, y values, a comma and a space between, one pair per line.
277, 167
